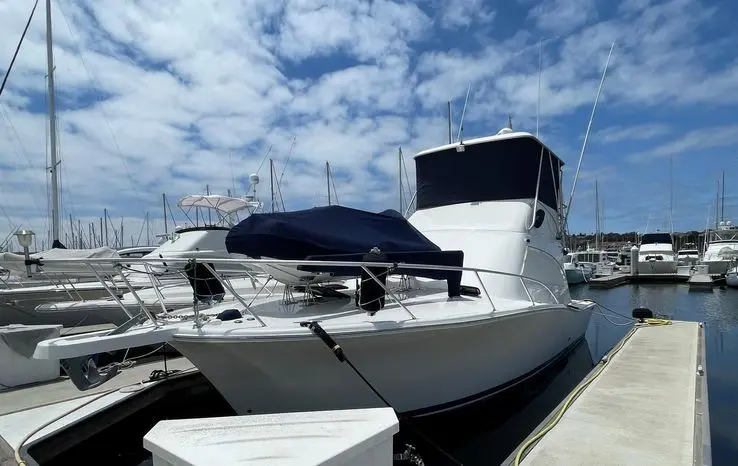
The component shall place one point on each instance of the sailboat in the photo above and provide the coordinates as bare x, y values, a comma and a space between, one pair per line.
467, 296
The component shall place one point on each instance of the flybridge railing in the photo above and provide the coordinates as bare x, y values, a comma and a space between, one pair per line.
396, 268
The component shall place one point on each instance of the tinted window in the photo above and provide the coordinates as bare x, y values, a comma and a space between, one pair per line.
490, 171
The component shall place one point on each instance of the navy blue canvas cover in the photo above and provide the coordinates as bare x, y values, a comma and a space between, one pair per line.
323, 231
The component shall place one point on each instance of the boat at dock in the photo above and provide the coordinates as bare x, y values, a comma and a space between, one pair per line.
472, 280
656, 254
722, 248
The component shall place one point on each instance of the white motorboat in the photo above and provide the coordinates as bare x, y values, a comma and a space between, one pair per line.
595, 260
61, 300
722, 248
656, 254
688, 257
468, 297
576, 273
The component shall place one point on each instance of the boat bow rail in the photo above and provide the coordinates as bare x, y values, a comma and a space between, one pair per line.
368, 268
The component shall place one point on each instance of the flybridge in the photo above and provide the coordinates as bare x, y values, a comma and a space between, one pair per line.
507, 166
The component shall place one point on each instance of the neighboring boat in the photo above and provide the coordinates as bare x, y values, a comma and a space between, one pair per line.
172, 291
688, 257
731, 277
468, 296
596, 260
576, 273
656, 254
722, 248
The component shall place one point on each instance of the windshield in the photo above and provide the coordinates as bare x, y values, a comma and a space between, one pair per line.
654, 238
567, 259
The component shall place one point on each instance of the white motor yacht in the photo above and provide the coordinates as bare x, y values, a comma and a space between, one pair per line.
467, 297
722, 248
656, 254
576, 273
62, 299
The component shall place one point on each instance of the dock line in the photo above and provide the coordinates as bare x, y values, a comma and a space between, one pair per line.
338, 352
584, 384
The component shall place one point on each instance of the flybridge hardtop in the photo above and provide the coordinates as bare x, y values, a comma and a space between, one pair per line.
324, 231
503, 167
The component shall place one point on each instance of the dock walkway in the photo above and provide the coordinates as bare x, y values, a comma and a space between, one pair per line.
646, 405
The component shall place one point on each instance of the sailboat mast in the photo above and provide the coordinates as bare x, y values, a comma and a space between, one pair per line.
399, 176
271, 181
328, 180
53, 169
671, 193
597, 215
722, 202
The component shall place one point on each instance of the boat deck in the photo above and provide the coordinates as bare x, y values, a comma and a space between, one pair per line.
647, 405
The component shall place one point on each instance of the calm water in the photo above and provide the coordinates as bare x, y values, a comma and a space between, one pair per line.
490, 441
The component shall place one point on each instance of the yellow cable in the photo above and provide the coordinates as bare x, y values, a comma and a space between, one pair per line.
579, 388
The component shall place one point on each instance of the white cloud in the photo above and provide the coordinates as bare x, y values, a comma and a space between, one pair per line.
173, 96
563, 16
695, 140
456, 14
619, 133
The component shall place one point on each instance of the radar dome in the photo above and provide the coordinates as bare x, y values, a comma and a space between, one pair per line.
504, 131
253, 179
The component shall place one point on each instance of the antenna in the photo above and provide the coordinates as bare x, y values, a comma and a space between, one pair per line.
538, 103
463, 112
509, 120
586, 135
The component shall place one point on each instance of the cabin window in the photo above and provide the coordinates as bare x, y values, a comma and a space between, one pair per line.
499, 170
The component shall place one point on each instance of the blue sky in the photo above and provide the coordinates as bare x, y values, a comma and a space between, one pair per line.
171, 96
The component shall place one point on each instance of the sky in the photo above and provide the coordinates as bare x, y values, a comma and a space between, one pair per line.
171, 97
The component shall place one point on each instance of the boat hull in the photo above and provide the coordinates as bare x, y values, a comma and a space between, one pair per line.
419, 372
657, 267
576, 276
21, 309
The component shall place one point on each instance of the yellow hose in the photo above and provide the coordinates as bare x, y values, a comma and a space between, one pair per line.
579, 388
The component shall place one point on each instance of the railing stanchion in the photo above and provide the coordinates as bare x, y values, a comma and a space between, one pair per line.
138, 299
484, 288
110, 292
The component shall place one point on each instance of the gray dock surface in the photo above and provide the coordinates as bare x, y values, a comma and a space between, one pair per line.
648, 405
62, 389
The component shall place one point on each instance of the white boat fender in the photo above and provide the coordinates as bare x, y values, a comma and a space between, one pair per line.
337, 351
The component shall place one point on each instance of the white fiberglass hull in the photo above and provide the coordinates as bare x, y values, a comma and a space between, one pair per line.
575, 276
657, 267
718, 267
18, 306
418, 371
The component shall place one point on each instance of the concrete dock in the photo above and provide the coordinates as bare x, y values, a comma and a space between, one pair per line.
645, 403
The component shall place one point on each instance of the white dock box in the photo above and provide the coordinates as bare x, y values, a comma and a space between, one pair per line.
17, 344
356, 437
